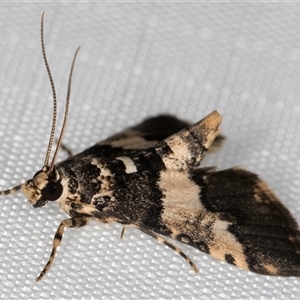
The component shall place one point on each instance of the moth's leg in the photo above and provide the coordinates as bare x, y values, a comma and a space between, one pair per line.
71, 223
66, 149
176, 249
217, 144
123, 232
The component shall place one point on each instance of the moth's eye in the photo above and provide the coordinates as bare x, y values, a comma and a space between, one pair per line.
52, 191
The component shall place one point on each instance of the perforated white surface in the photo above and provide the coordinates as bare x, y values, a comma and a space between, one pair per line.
138, 60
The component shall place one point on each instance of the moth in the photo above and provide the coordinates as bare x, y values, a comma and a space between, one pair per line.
148, 176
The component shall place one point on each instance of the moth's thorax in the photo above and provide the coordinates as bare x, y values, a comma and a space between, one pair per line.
87, 188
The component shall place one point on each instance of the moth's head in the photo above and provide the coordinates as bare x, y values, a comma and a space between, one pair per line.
45, 186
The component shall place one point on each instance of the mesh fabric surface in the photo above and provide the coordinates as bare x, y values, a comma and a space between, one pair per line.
139, 60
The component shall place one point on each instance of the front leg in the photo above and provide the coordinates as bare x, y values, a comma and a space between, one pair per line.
71, 223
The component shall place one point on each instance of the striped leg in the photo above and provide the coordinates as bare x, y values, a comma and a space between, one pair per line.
123, 232
176, 249
71, 223
66, 149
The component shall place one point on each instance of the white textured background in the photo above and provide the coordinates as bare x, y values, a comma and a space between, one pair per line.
138, 60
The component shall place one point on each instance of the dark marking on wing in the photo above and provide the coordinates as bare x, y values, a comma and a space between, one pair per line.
149, 133
153, 129
230, 259
266, 230
187, 239
143, 196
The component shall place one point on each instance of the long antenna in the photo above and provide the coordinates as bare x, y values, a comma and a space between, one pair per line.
66, 110
46, 163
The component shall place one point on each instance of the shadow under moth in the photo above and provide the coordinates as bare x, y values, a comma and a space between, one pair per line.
148, 176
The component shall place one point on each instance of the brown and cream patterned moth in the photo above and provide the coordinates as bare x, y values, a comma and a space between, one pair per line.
148, 176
